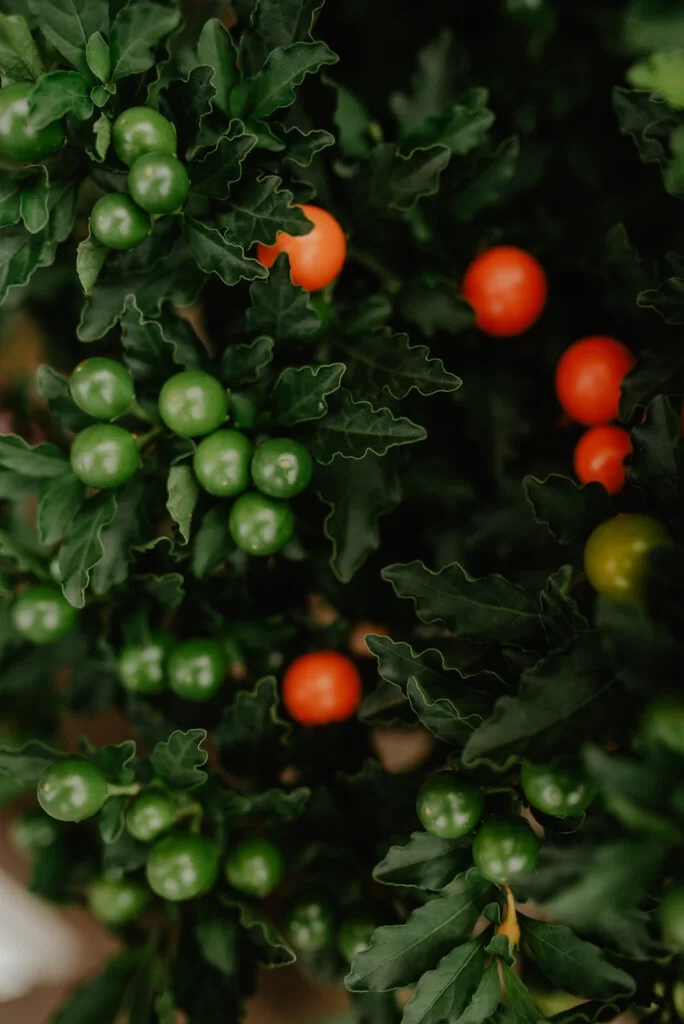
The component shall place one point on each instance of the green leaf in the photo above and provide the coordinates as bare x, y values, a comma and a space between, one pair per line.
60, 501
260, 209
569, 512
215, 48
382, 360
352, 121
636, 792
112, 819
183, 491
303, 146
278, 23
136, 31
444, 992
243, 364
222, 166
358, 493
98, 57
26, 764
559, 613
83, 548
299, 393
180, 760
280, 308
276, 807
19, 57
425, 862
21, 254
60, 93
189, 102
165, 1009
444, 718
655, 464
118, 538
484, 1000
90, 259
521, 1001
463, 128
355, 428
397, 182
658, 373
435, 307
491, 608
42, 462
212, 543
54, 388
167, 589
252, 719
34, 203
102, 131
269, 946
215, 254
433, 84
10, 200
400, 953
154, 348
274, 85
566, 694
100, 1000
217, 936
69, 24
572, 964
494, 174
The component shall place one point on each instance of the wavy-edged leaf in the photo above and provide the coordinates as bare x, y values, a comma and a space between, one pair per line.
268, 944
493, 175
300, 393
183, 492
425, 862
69, 24
354, 429
215, 254
385, 360
568, 511
219, 168
60, 93
252, 719
135, 34
484, 1000
277, 807
280, 308
41, 462
155, 348
572, 963
397, 182
260, 208
277, 23
216, 49
90, 259
303, 146
82, 548
274, 85
180, 760
59, 502
212, 543
119, 537
35, 195
243, 364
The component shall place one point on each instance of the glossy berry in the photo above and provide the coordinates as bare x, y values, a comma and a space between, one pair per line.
182, 867
663, 724
196, 669
260, 525
33, 832
672, 918
506, 287
142, 667
504, 849
193, 403
102, 387
141, 130
118, 223
616, 555
599, 457
315, 258
559, 789
449, 806
309, 925
255, 867
116, 901
221, 463
589, 377
158, 183
72, 790
354, 936
42, 614
321, 687
150, 815
281, 468
19, 138
104, 455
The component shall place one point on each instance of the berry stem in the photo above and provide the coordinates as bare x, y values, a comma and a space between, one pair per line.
144, 439
113, 790
509, 926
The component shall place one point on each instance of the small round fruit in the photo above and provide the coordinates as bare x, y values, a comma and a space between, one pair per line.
560, 789
150, 815
504, 849
309, 925
663, 724
616, 555
599, 457
221, 463
104, 456
102, 387
42, 614
255, 867
19, 137
355, 936
356, 641
158, 183
196, 669
449, 806
193, 403
72, 790
589, 377
182, 867
672, 918
142, 667
32, 832
141, 130
315, 258
506, 287
116, 901
260, 525
321, 687
118, 223
281, 468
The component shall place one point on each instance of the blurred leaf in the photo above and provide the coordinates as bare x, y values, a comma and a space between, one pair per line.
425, 862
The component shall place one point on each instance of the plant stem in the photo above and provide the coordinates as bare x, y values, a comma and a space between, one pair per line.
144, 439
509, 926
193, 811
131, 790
392, 284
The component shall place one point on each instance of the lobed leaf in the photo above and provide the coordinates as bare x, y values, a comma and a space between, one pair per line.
179, 761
